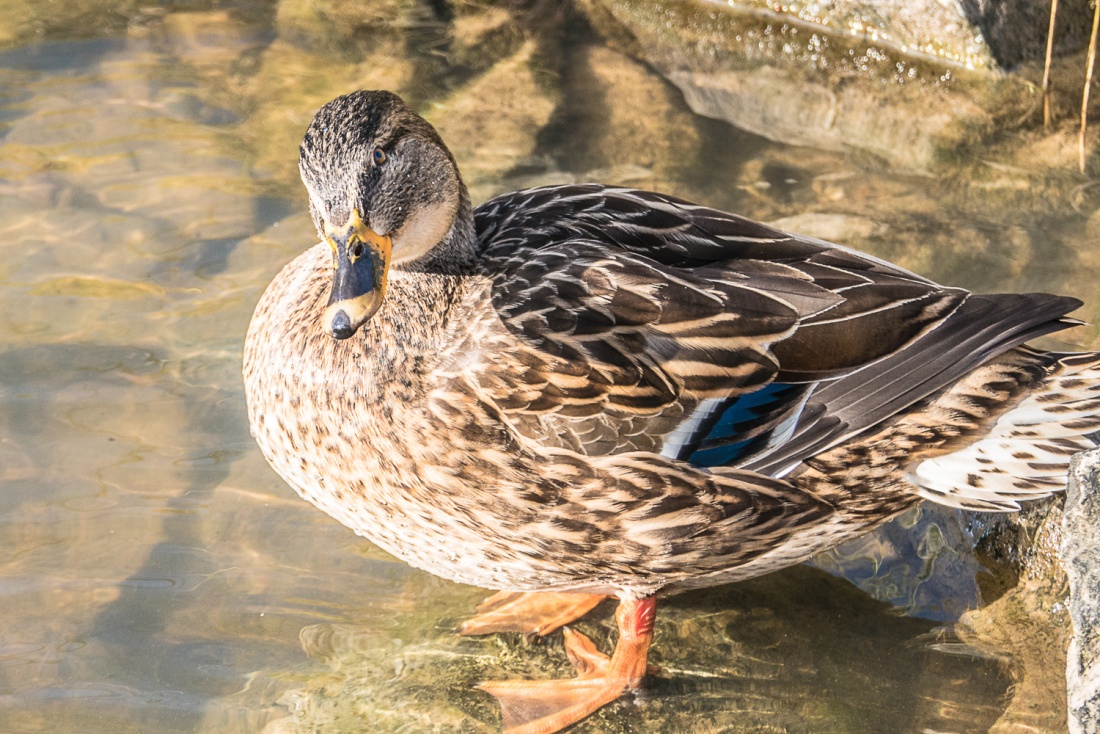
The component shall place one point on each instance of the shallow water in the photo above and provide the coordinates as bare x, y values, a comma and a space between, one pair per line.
156, 576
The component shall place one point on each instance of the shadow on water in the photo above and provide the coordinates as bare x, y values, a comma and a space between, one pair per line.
187, 672
796, 651
146, 679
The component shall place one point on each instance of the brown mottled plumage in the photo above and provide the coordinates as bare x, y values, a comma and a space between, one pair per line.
609, 391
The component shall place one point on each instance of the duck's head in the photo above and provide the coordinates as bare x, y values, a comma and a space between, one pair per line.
382, 188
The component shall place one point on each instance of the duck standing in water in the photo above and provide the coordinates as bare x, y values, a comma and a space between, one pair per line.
578, 391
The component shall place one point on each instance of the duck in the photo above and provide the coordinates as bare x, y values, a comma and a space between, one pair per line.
584, 391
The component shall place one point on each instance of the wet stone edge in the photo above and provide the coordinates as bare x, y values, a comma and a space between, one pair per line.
1081, 559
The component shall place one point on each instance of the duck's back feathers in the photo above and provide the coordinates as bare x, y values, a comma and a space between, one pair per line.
714, 339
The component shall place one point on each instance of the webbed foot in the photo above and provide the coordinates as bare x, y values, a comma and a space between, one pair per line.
546, 706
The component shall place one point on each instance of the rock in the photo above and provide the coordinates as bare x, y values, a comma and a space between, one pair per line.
620, 122
1081, 557
288, 86
348, 25
971, 34
482, 35
794, 83
1016, 30
27, 19
492, 123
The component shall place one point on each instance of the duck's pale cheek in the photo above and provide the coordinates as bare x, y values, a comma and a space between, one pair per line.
424, 230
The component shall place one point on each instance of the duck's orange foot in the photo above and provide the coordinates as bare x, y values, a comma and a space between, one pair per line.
544, 707
537, 613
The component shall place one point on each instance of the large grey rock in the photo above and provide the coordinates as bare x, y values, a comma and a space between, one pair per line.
915, 83
972, 34
799, 84
930, 28
1081, 557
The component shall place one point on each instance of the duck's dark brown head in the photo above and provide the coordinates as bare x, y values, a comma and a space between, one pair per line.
382, 187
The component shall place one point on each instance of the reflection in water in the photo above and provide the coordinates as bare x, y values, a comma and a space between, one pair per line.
156, 575
798, 652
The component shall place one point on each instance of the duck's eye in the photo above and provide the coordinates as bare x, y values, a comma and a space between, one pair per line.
378, 156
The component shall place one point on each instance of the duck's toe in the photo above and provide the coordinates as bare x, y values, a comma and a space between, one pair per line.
536, 613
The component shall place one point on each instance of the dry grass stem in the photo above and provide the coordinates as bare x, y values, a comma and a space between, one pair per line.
1088, 84
1047, 116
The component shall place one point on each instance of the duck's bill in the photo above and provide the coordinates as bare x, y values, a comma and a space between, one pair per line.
362, 259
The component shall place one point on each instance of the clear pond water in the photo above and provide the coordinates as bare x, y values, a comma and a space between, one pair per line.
156, 576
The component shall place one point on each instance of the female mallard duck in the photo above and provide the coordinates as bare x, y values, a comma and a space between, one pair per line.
588, 390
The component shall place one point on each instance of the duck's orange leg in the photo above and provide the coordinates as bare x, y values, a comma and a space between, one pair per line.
543, 707
537, 613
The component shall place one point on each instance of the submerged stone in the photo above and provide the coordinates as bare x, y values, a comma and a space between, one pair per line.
493, 121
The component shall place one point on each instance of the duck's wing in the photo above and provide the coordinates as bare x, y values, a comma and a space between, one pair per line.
645, 322
982, 327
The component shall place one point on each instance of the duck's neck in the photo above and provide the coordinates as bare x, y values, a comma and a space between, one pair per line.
422, 314
456, 253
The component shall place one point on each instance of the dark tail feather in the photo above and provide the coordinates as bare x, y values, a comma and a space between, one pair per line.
982, 327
